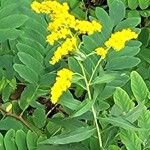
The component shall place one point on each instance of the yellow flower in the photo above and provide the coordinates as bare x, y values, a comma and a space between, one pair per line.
87, 27
102, 52
63, 82
9, 108
118, 40
67, 47
63, 26
43, 7
52, 38
36, 7
60, 34
60, 16
53, 7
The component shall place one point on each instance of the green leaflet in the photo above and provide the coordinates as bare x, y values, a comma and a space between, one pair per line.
26, 73
122, 100
75, 146
5, 3
85, 106
130, 139
138, 87
126, 51
68, 101
144, 122
128, 23
31, 139
8, 10
144, 4
104, 78
10, 123
30, 62
107, 24
9, 34
116, 8
28, 96
30, 50
12, 21
34, 44
123, 62
89, 44
135, 113
2, 147
9, 140
145, 54
132, 4
21, 140
71, 137
31, 33
114, 147
121, 122
69, 124
144, 119
39, 117
144, 37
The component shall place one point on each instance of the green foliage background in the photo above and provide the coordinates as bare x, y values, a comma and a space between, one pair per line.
120, 90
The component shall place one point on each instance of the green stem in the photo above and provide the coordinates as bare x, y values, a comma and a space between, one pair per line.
93, 73
93, 109
90, 54
97, 127
79, 75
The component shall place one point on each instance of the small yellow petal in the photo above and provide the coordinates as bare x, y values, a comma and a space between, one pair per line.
101, 52
9, 107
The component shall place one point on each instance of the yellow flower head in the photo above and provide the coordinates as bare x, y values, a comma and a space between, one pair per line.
63, 82
101, 52
47, 7
118, 40
67, 47
36, 7
63, 26
43, 7
88, 27
60, 34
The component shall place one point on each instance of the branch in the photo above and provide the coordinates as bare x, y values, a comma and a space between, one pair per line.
19, 118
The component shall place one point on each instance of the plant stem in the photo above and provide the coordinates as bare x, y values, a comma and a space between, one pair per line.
51, 110
97, 127
19, 118
15, 116
93, 73
90, 97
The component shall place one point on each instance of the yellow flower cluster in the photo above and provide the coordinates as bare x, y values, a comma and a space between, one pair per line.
61, 34
67, 47
101, 52
84, 26
117, 41
63, 25
47, 7
61, 18
63, 82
